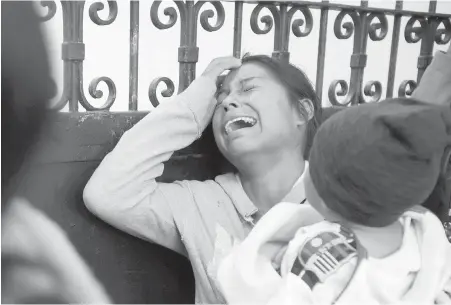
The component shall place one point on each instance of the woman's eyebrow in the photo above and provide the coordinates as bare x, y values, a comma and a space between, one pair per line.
248, 79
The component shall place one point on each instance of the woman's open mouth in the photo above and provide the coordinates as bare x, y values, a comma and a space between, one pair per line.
239, 123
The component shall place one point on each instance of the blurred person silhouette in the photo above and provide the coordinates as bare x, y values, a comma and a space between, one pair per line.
39, 264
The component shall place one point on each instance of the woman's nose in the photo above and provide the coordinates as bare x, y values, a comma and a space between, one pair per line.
230, 103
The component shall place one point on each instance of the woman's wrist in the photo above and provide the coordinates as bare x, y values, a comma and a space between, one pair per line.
200, 99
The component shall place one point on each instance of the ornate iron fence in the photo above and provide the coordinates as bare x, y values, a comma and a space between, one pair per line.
366, 22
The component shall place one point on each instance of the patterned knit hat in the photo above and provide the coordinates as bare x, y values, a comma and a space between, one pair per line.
372, 162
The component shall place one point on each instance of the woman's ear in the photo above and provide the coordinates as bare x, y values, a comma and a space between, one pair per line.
307, 104
306, 110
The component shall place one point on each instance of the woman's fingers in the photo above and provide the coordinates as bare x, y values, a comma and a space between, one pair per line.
221, 64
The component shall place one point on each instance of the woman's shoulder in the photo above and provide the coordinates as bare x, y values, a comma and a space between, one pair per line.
215, 203
228, 180
212, 192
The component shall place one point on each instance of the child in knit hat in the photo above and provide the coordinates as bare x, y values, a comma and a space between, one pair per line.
370, 168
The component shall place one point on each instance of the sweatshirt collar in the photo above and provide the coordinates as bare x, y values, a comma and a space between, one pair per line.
231, 183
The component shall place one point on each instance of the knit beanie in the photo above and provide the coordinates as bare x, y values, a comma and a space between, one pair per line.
371, 163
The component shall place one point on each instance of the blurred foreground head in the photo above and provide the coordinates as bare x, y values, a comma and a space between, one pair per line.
26, 88
39, 264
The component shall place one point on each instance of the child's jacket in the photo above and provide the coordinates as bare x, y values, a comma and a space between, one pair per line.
278, 263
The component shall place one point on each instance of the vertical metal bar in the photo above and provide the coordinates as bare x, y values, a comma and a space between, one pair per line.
70, 9
73, 102
76, 13
282, 34
322, 50
394, 50
427, 42
188, 52
238, 29
67, 77
364, 41
134, 51
432, 6
359, 57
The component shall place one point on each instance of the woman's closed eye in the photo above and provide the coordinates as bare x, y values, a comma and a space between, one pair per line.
249, 88
221, 95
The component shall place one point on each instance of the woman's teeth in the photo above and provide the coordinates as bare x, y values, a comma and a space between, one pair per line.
238, 123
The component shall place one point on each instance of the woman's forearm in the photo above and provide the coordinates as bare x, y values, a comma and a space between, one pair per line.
127, 174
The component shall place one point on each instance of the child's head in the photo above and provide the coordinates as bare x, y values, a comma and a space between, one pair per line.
371, 163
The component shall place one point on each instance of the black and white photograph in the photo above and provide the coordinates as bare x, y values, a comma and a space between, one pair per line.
226, 152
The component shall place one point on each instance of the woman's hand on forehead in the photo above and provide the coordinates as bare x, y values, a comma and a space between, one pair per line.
218, 66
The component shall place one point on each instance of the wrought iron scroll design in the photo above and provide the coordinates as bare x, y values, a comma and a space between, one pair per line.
73, 54
427, 32
362, 27
168, 92
188, 53
365, 22
98, 6
51, 10
281, 19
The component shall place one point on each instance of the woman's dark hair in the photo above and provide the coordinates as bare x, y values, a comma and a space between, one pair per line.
298, 86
